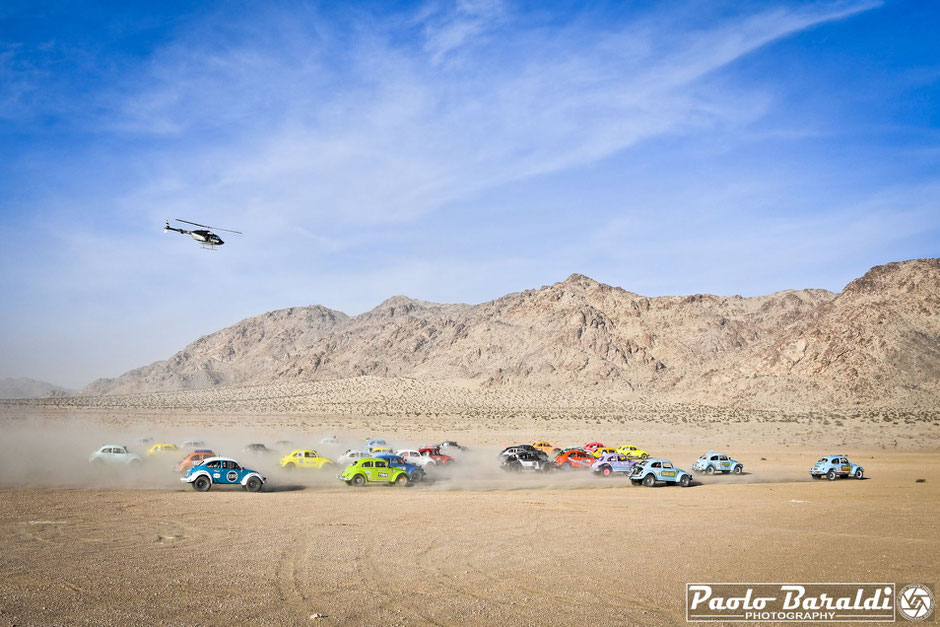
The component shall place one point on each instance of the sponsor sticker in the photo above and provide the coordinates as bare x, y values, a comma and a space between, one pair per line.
792, 602
232, 475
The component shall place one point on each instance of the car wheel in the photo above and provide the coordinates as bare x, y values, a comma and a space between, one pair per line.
685, 480
402, 481
607, 471
253, 484
710, 470
816, 476
417, 476
831, 475
859, 473
738, 469
644, 455
635, 481
359, 481
516, 467
649, 480
202, 483
290, 466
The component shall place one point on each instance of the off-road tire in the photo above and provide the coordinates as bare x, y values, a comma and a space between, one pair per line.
635, 481
831, 475
859, 473
402, 481
685, 481
710, 470
358, 481
649, 480
738, 469
644, 456
607, 471
253, 484
202, 484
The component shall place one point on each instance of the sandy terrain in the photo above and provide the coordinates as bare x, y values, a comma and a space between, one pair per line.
473, 546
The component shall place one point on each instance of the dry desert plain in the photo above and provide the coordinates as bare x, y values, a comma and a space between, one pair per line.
475, 545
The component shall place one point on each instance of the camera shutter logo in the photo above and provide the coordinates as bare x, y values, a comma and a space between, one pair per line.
232, 475
915, 602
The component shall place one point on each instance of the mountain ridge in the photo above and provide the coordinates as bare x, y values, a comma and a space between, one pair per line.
878, 338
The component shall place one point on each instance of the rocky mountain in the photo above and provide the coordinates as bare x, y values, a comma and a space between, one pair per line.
877, 341
30, 388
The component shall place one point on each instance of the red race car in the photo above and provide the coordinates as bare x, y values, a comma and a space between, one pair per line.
435, 453
590, 447
575, 458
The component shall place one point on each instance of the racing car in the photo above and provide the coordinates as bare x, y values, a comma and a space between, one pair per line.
712, 462
373, 470
590, 447
413, 456
519, 448
603, 450
415, 472
574, 458
834, 466
631, 451
435, 453
551, 449
194, 459
349, 456
305, 458
223, 471
162, 448
114, 454
649, 471
257, 448
610, 463
525, 460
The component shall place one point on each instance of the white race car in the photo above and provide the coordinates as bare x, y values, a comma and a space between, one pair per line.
350, 456
114, 454
413, 456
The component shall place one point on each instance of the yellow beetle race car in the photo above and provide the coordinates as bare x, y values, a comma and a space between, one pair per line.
163, 448
632, 451
603, 450
546, 447
305, 458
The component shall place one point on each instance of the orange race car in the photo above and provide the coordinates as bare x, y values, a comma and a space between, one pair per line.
194, 459
574, 458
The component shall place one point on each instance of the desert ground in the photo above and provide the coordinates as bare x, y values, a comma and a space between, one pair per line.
80, 545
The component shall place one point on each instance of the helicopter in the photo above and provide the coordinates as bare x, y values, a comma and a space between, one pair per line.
204, 236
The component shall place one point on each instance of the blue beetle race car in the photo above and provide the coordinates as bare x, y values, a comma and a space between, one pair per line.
609, 463
223, 471
415, 472
649, 471
712, 462
834, 466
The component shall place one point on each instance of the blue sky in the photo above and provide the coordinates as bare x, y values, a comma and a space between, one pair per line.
451, 152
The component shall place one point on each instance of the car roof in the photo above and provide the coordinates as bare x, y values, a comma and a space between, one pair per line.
221, 459
657, 459
202, 450
112, 446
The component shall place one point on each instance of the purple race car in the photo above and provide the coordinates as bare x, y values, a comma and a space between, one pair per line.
609, 463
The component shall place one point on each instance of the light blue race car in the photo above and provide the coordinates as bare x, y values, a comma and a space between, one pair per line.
223, 471
834, 466
712, 462
649, 471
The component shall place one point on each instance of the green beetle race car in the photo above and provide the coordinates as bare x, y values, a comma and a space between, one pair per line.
373, 470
